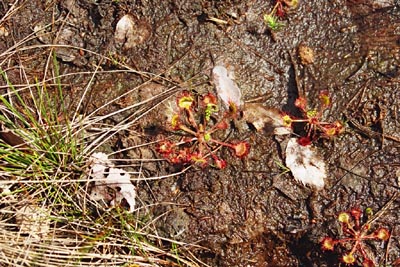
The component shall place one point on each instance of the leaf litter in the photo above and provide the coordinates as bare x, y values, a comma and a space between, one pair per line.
265, 119
107, 177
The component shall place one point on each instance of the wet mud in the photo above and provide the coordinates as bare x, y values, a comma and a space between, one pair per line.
252, 213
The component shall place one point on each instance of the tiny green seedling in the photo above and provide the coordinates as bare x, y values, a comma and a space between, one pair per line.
279, 12
273, 22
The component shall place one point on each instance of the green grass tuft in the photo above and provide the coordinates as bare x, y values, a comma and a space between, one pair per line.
46, 216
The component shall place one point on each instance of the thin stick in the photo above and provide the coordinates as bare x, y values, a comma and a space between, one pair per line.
383, 209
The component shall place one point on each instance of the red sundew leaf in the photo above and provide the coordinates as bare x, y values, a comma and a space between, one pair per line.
313, 116
328, 243
382, 234
185, 100
219, 163
339, 127
344, 217
356, 213
328, 130
175, 122
209, 99
182, 156
165, 147
301, 103
304, 141
348, 258
199, 159
185, 155
332, 129
280, 12
287, 121
241, 149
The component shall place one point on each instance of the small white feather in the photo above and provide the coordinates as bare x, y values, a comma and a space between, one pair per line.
305, 164
227, 89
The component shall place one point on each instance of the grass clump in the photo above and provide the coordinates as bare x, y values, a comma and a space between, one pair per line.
47, 217
36, 142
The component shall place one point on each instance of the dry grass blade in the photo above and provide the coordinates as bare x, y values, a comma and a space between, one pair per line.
12, 10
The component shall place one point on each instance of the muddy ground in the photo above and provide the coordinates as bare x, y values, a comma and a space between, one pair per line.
251, 213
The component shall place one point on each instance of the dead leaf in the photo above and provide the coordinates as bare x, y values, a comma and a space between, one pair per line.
111, 184
33, 220
305, 164
121, 181
131, 32
10, 138
3, 31
265, 119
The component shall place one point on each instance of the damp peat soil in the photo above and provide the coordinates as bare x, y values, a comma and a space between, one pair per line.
253, 212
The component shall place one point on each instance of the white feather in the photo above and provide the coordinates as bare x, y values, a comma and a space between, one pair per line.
305, 164
227, 89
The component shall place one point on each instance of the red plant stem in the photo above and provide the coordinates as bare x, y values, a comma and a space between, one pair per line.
362, 250
186, 141
358, 242
311, 129
357, 222
191, 118
344, 240
213, 129
300, 120
350, 230
324, 123
200, 150
186, 129
371, 236
278, 3
222, 143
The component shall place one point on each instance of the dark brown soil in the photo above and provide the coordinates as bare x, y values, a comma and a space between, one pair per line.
251, 213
